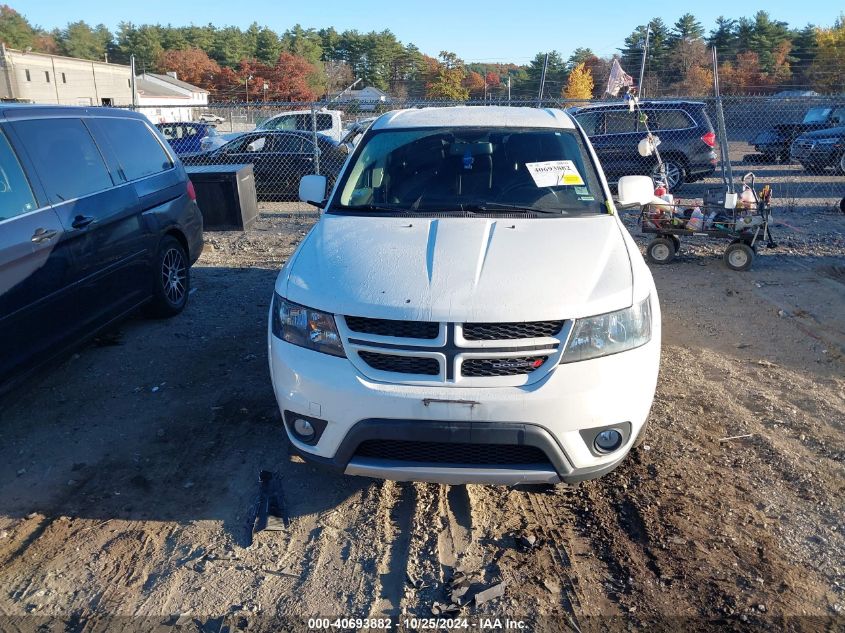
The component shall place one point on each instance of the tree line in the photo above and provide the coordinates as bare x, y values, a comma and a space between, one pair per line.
757, 55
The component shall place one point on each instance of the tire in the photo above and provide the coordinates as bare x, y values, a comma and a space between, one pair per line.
739, 256
642, 436
171, 279
676, 173
677, 242
842, 164
661, 250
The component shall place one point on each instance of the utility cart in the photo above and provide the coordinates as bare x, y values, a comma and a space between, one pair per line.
746, 225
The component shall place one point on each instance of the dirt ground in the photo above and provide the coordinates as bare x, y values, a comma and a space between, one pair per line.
128, 475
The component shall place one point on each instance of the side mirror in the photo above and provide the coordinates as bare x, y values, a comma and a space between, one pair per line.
312, 189
635, 191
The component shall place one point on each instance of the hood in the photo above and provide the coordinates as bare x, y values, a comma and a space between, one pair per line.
792, 127
826, 132
461, 269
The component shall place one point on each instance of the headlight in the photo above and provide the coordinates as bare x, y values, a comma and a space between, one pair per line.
305, 327
609, 333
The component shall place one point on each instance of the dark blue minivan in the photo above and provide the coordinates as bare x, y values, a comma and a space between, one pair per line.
97, 219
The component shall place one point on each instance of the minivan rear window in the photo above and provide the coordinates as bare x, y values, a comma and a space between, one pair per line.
68, 161
136, 147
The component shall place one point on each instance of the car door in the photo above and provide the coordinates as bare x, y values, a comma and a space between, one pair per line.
37, 297
99, 213
141, 159
257, 150
617, 145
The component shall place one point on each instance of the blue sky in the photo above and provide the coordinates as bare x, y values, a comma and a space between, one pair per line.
494, 30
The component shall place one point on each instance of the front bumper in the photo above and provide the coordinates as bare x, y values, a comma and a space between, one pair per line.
818, 154
614, 390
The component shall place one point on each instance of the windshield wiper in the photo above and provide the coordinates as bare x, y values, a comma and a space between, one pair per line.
513, 208
369, 207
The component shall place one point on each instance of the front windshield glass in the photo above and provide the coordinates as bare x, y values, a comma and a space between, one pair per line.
489, 170
817, 115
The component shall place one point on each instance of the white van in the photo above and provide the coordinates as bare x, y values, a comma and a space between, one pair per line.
469, 307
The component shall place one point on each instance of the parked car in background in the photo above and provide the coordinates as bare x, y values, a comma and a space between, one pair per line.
775, 143
210, 117
329, 123
469, 307
279, 159
190, 137
97, 218
353, 133
687, 139
821, 149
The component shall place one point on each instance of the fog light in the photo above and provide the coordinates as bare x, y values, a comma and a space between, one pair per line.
304, 429
608, 441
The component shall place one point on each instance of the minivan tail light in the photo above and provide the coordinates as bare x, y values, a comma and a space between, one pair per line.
709, 139
192, 194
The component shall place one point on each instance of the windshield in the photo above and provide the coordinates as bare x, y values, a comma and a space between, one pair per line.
816, 115
491, 170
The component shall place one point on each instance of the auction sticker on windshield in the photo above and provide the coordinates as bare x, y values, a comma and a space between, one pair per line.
554, 173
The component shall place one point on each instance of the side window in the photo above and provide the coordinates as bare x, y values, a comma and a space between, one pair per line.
251, 144
15, 194
620, 122
283, 123
136, 147
66, 157
324, 122
591, 122
673, 120
288, 143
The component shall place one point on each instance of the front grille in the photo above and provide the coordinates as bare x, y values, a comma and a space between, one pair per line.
486, 367
508, 331
392, 327
455, 454
401, 364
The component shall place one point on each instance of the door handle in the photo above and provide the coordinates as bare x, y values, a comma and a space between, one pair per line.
43, 235
81, 221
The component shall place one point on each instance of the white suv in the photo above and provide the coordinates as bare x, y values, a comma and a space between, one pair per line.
469, 308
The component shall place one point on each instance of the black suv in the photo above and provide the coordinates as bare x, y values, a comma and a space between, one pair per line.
97, 218
687, 139
820, 149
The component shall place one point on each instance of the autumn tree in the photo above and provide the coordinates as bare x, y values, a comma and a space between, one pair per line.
743, 75
474, 83
827, 72
579, 84
15, 30
192, 65
446, 78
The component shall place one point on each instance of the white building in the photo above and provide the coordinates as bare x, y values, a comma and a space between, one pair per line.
40, 78
166, 99
368, 98
31, 77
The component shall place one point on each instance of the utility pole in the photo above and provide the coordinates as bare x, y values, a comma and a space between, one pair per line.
132, 81
642, 64
542, 81
246, 90
509, 89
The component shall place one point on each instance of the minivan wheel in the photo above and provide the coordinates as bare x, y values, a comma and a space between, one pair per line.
842, 164
171, 279
661, 250
675, 174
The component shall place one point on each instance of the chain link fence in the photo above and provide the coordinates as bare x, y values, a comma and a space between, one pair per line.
795, 145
